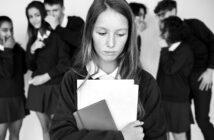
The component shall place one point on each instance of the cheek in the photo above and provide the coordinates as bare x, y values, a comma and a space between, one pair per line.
98, 41
121, 43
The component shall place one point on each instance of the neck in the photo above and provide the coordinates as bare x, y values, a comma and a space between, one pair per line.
107, 67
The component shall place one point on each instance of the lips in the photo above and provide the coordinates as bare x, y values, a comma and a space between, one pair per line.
110, 52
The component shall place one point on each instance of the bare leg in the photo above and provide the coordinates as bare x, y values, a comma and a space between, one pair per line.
179, 136
3, 130
45, 123
14, 129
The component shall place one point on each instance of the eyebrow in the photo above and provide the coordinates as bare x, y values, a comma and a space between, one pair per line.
100, 27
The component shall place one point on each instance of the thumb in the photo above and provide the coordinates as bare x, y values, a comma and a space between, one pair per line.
137, 123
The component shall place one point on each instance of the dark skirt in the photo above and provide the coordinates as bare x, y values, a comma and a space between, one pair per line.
178, 116
43, 98
12, 109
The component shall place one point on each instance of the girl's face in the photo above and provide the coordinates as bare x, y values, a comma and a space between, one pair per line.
35, 17
6, 31
110, 35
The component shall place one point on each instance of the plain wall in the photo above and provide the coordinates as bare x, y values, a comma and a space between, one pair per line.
200, 9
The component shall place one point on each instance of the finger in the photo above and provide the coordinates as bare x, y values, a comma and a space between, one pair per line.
200, 78
140, 129
206, 87
30, 81
210, 85
202, 85
137, 123
142, 135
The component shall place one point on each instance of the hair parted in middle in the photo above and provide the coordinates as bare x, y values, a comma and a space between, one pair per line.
128, 60
32, 33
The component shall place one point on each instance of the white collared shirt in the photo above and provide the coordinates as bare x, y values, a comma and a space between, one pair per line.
1, 47
46, 35
92, 68
64, 21
174, 46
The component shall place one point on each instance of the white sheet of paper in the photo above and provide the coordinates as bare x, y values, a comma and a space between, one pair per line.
120, 95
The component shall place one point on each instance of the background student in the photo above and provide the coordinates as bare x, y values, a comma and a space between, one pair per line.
48, 59
68, 28
140, 12
109, 47
12, 70
176, 61
202, 45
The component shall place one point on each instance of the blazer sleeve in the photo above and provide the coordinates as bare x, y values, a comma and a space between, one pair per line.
207, 37
30, 59
154, 119
72, 33
63, 63
172, 62
6, 63
64, 125
23, 58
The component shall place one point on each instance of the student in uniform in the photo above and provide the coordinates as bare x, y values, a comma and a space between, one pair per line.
139, 10
12, 70
176, 61
48, 59
69, 28
202, 45
109, 45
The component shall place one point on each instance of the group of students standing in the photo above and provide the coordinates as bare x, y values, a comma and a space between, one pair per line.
108, 45
53, 39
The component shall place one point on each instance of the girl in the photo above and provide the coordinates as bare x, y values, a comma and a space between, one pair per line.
12, 70
175, 66
48, 58
109, 44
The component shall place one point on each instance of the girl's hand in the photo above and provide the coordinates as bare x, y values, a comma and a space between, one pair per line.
7, 42
53, 21
36, 45
206, 80
133, 131
40, 79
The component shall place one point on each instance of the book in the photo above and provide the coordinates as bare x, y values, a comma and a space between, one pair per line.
95, 117
120, 95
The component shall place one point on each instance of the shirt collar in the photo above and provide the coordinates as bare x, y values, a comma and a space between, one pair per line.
64, 21
1, 47
92, 68
174, 46
46, 35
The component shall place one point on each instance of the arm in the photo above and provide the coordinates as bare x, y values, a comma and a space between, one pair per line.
72, 34
30, 59
6, 63
202, 32
63, 63
154, 119
172, 62
23, 58
64, 125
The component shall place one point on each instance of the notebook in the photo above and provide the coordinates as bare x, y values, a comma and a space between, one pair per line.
95, 117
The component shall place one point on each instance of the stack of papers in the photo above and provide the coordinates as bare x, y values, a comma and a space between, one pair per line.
121, 97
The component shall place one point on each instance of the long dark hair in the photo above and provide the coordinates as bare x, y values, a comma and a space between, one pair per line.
128, 60
32, 32
175, 28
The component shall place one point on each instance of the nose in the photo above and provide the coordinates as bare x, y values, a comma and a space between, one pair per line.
9, 33
111, 41
50, 13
